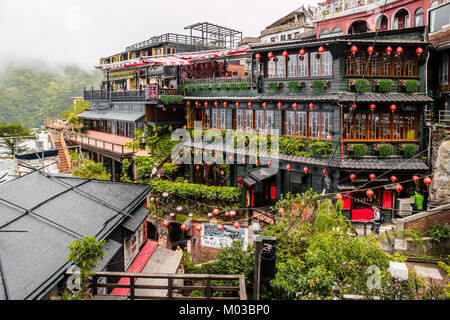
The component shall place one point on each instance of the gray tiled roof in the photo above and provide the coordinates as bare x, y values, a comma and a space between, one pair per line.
386, 98
55, 210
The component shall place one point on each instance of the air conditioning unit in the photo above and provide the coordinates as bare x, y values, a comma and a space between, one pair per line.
404, 207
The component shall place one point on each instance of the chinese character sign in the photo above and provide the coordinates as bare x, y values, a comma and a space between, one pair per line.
152, 91
211, 237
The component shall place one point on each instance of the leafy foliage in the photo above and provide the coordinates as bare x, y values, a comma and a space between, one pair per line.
306, 148
411, 85
386, 150
361, 84
359, 150
15, 129
171, 99
410, 150
91, 170
384, 85
272, 86
438, 233
293, 86
243, 86
318, 85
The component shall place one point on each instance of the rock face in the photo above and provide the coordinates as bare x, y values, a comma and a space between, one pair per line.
440, 188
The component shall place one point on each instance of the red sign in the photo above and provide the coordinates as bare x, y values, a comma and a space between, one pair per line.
152, 91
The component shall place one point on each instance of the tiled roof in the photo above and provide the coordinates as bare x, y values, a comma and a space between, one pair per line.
384, 164
386, 98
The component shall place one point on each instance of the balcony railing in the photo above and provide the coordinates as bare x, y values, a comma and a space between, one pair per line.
218, 80
126, 95
337, 7
55, 123
444, 118
174, 288
86, 140
178, 38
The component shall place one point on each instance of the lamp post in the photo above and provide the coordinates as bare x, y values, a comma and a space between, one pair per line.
144, 139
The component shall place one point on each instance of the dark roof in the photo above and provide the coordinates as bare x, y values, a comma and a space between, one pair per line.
111, 248
385, 164
133, 223
386, 98
55, 210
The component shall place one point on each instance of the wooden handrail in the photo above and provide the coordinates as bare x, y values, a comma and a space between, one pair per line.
99, 143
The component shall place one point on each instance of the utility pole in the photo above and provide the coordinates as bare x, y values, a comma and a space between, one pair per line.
265, 259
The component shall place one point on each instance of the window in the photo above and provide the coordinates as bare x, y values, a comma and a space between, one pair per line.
383, 126
312, 63
264, 121
240, 120
314, 124
269, 121
290, 123
327, 62
283, 38
259, 120
315, 64
276, 67
326, 125
222, 119
303, 62
215, 119
206, 119
248, 120
292, 65
319, 124
443, 72
301, 124
418, 17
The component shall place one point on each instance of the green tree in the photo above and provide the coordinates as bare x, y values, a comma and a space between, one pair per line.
91, 170
11, 135
85, 254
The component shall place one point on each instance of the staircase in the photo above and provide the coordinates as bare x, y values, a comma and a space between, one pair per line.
57, 138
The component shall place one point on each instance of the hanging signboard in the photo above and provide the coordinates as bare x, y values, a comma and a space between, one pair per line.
152, 91
213, 238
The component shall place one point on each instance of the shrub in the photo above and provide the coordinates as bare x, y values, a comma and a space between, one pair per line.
384, 85
318, 85
171, 99
170, 168
293, 86
224, 86
410, 150
205, 87
359, 150
272, 87
198, 87
438, 233
411, 85
243, 86
386, 150
233, 86
362, 85
214, 86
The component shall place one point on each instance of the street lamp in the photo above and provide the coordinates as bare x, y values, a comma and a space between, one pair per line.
144, 139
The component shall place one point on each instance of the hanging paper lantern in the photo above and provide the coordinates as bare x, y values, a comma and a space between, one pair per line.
372, 176
210, 214
354, 49
231, 158
172, 215
270, 55
398, 188
225, 104
325, 172
197, 103
190, 215
232, 213
339, 197
269, 164
174, 109
206, 154
372, 107
258, 56
306, 170
399, 50
393, 107
264, 105
188, 103
206, 103
389, 50
227, 214
220, 227
199, 228
311, 106
321, 49
183, 227
427, 181
352, 177
250, 104
238, 104
166, 223
370, 50
302, 52
237, 225
394, 179
179, 208
416, 178
258, 162
216, 212
281, 211
295, 106
164, 109
354, 106
244, 160
197, 167
279, 105
165, 194
216, 103
419, 51
285, 54
370, 193
289, 167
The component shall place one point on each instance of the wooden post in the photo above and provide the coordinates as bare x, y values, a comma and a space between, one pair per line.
257, 278
170, 288
132, 291
208, 288
94, 285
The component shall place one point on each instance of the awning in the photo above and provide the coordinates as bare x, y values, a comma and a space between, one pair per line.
167, 61
249, 182
133, 222
262, 174
37, 155
111, 248
118, 116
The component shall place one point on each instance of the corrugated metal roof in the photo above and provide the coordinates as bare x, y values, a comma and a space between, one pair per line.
62, 209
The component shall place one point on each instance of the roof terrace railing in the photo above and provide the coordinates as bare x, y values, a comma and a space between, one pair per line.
124, 95
86, 140
179, 39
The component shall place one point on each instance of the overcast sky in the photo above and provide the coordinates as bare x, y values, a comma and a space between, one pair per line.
82, 31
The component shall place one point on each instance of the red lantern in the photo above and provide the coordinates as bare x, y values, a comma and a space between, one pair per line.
220, 227
281, 211
419, 51
197, 167
370, 193
172, 214
370, 50
225, 104
306, 170
269, 163
279, 105
389, 50
210, 214
227, 214
399, 50
427, 181
258, 56
216, 212
311, 106
285, 54
270, 55
325, 172
216, 103
174, 109
206, 154
295, 106
206, 104
339, 197
164, 109
183, 227
289, 167
352, 177
394, 179
302, 52
188, 103
231, 158
398, 188
232, 213
237, 225
250, 104
258, 162
197, 103
372, 107
354, 49
354, 106
393, 107
321, 49
372, 176
199, 228
238, 104
264, 105
166, 223
416, 179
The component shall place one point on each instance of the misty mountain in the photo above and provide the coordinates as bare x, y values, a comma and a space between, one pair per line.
28, 93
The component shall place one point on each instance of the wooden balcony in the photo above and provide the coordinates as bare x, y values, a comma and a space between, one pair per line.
218, 80
142, 286
128, 95
55, 123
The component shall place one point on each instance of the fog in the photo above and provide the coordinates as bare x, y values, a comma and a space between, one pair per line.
81, 31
